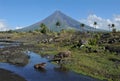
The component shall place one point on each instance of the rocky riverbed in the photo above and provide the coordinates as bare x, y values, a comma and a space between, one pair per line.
14, 55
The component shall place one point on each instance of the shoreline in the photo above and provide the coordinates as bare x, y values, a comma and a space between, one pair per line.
6, 75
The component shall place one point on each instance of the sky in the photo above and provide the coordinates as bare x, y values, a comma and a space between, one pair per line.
15, 14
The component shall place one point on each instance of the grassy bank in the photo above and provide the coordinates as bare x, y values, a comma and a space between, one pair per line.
97, 65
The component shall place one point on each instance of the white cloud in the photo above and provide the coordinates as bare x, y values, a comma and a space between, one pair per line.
101, 22
116, 18
18, 27
3, 26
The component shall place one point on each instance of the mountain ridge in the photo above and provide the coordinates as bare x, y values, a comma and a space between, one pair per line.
66, 22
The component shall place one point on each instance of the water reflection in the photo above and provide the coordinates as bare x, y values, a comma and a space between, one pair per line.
50, 73
61, 68
41, 70
4, 44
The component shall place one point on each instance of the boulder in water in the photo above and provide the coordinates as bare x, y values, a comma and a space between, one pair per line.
40, 66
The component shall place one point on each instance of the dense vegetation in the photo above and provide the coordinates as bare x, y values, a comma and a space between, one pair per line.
93, 53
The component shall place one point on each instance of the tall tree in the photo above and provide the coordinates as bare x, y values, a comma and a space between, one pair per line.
95, 24
113, 28
82, 25
43, 28
57, 24
113, 25
109, 26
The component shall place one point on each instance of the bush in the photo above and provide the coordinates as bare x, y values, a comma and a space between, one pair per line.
44, 29
92, 42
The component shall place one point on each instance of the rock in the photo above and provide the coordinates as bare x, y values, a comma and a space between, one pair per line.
113, 48
106, 35
92, 50
82, 46
14, 55
114, 40
20, 59
63, 54
40, 66
50, 40
6, 52
88, 49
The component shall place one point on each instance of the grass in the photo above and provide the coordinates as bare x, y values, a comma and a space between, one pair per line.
96, 65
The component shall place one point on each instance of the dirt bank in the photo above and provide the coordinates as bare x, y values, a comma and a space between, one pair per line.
6, 75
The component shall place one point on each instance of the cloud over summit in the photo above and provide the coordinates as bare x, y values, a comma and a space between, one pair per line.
102, 23
3, 26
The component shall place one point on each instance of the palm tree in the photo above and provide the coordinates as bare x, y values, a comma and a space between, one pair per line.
43, 28
113, 28
109, 26
82, 25
95, 24
57, 24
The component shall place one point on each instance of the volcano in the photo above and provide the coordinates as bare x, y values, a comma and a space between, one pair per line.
66, 22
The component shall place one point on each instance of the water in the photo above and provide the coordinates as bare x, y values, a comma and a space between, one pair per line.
50, 73
4, 44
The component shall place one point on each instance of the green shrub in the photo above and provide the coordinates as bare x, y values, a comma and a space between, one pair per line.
92, 42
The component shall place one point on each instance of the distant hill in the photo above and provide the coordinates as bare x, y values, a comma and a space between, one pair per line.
66, 22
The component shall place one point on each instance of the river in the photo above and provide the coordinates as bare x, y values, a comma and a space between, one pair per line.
50, 73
